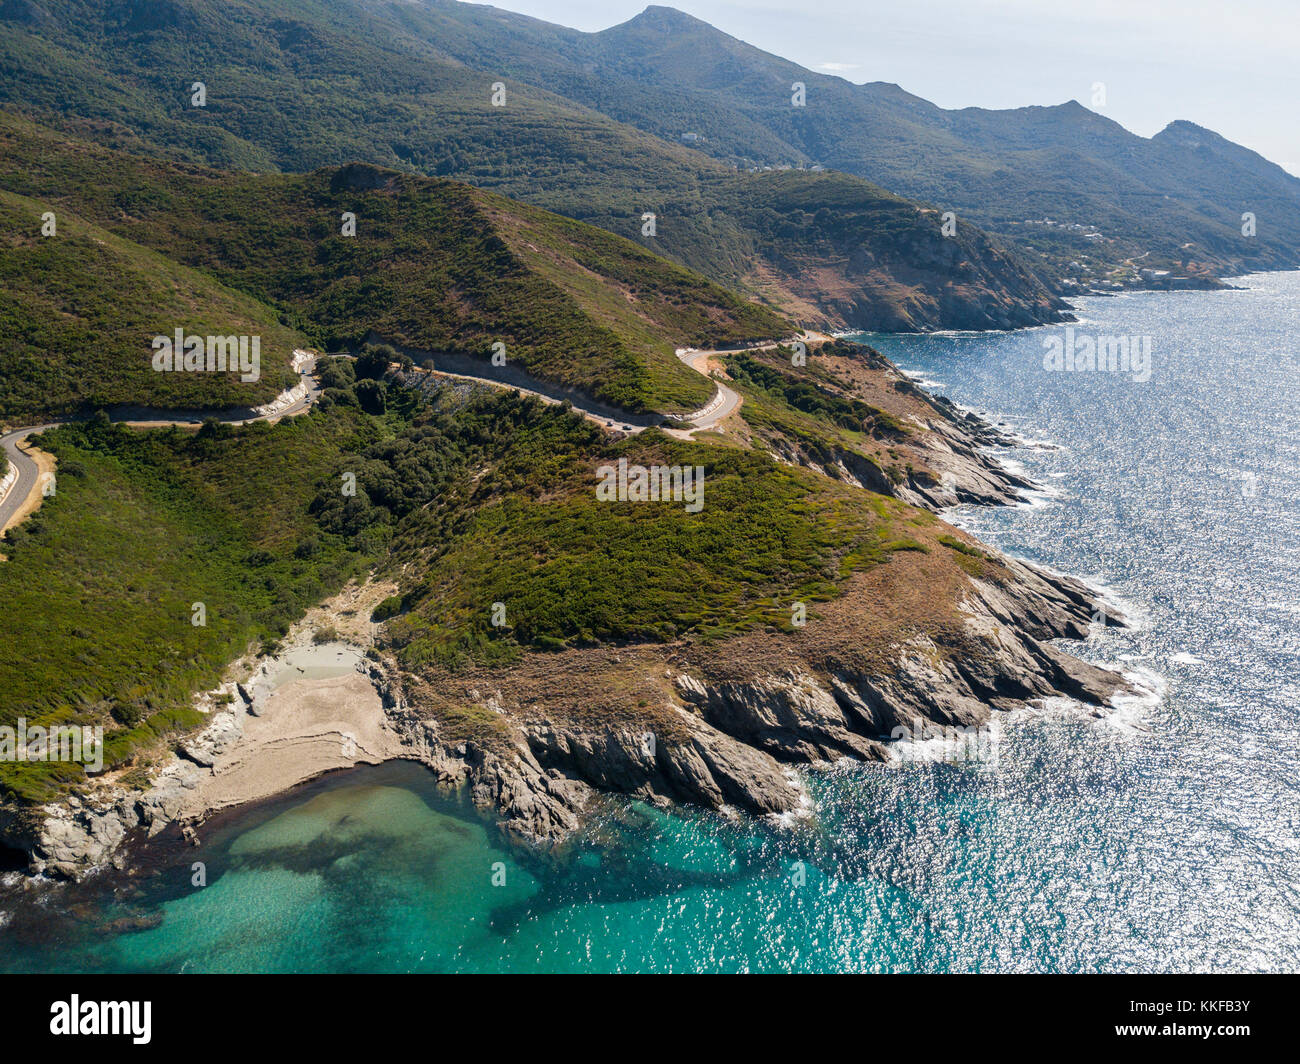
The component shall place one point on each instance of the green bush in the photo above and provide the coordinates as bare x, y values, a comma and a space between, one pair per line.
96, 599
390, 607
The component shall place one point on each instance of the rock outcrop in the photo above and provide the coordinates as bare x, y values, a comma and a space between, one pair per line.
732, 740
721, 738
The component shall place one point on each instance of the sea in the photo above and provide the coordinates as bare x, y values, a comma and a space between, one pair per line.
1160, 835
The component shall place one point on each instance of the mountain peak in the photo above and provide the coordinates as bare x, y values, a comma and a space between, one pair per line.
666, 18
1184, 132
1191, 137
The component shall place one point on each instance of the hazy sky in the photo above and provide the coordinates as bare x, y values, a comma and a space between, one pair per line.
1233, 67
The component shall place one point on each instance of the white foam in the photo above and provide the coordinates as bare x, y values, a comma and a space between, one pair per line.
1184, 658
1133, 707
923, 381
978, 749
1038, 498
801, 813
1135, 615
1127, 712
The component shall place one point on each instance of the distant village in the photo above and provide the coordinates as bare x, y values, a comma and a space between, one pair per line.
1087, 277
815, 168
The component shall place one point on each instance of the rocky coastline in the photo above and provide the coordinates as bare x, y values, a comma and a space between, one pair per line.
731, 742
718, 738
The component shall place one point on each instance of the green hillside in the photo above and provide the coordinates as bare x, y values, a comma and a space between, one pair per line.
435, 265
463, 499
79, 310
666, 72
98, 592
294, 85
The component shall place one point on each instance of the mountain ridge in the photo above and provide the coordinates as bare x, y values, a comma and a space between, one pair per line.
437, 266
1147, 197
288, 88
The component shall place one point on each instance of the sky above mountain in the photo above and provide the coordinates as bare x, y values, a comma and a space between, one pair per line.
1230, 68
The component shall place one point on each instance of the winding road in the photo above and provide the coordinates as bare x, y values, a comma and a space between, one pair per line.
28, 473
28, 481
724, 403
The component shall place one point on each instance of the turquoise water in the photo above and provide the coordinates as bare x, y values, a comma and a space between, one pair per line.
1164, 836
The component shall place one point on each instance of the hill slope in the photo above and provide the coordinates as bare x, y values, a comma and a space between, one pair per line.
294, 85
435, 265
79, 311
793, 617
668, 73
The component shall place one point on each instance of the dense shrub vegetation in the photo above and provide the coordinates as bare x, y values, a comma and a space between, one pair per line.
435, 266
97, 598
492, 499
802, 392
78, 311
478, 496
293, 85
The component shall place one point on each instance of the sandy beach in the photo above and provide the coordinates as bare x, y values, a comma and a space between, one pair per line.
315, 710
306, 727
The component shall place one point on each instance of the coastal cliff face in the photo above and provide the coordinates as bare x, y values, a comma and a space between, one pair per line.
853, 274
942, 638
719, 727
725, 735
943, 635
948, 464
919, 448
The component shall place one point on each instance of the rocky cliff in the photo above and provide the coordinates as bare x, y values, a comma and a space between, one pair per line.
725, 737
942, 636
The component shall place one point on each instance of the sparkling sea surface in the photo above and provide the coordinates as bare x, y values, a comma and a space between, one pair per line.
1162, 836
